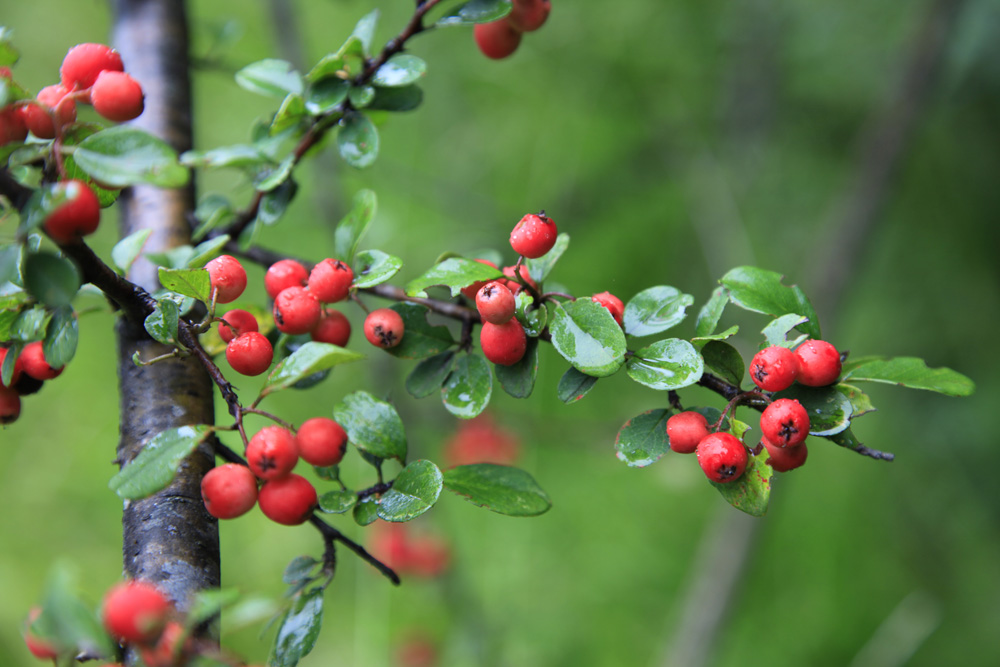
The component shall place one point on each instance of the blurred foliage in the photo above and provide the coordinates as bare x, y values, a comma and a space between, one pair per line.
671, 141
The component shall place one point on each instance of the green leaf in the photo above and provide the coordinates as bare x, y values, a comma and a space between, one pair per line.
43, 202
325, 95
162, 323
908, 372
373, 426
360, 96
366, 511
468, 388
357, 140
453, 273
829, 410
666, 364
642, 440
70, 622
502, 489
353, 226
51, 279
725, 361
574, 385
209, 603
299, 569
364, 31
124, 155
587, 336
291, 112
413, 492
194, 283
531, 318
420, 338
155, 466
476, 11
270, 178
518, 380
699, 341
275, 201
8, 54
311, 358
9, 361
374, 267
10, 262
751, 493
338, 502
330, 66
273, 77
175, 258
299, 629
776, 333
404, 98
541, 267
428, 376
761, 291
656, 309
711, 313
61, 337
861, 403
30, 324
206, 251
128, 250
212, 212
239, 155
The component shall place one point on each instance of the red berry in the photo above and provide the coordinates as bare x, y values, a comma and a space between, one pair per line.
296, 311
613, 304
33, 362
17, 368
330, 280
529, 15
289, 500
135, 611
55, 107
172, 643
236, 322
228, 278
12, 125
471, 290
78, 217
40, 648
322, 441
534, 235
783, 459
503, 344
495, 303
774, 368
84, 62
333, 327
481, 440
722, 456
250, 353
513, 285
272, 452
229, 491
785, 423
10, 405
384, 328
497, 39
685, 430
117, 96
283, 274
819, 363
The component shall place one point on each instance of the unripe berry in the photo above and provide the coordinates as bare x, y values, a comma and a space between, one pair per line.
289, 500
135, 611
10, 405
384, 328
685, 430
42, 649
497, 39
470, 291
330, 280
513, 285
495, 303
722, 457
819, 363
503, 344
85, 62
236, 322
283, 274
534, 235
117, 96
12, 125
774, 368
333, 327
783, 459
272, 452
785, 422
228, 278
250, 353
229, 491
322, 441
529, 15
613, 304
78, 217
33, 362
296, 311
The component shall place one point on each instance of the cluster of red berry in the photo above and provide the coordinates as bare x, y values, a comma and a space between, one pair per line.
30, 371
499, 39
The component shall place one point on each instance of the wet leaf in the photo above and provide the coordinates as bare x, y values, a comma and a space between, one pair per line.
468, 388
829, 410
373, 426
762, 291
502, 489
667, 364
155, 466
413, 492
751, 493
574, 385
587, 336
656, 309
908, 372
311, 358
642, 440
420, 338
299, 629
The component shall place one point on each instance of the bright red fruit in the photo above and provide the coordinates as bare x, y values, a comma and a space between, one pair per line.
322, 441
135, 611
534, 235
819, 363
169, 648
774, 368
288, 500
513, 285
117, 96
384, 328
785, 422
722, 456
283, 274
529, 15
497, 39
503, 344
330, 280
272, 452
12, 125
10, 405
470, 290
33, 362
229, 491
783, 459
296, 311
250, 353
227, 277
85, 62
495, 303
54, 107
333, 327
613, 304
236, 322
78, 217
685, 430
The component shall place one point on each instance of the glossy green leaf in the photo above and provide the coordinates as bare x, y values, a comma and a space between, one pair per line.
413, 492
299, 629
453, 273
326, 95
194, 283
656, 309
360, 96
476, 11
531, 318
541, 267
212, 212
311, 358
161, 324
61, 337
238, 155
51, 279
502, 489
128, 250
374, 267
776, 333
10, 261
206, 251
428, 376
366, 512
124, 155
291, 112
351, 229
299, 569
699, 341
30, 324
908, 372
751, 493
9, 361
330, 66
467, 390
574, 385
268, 179
666, 364
338, 501
518, 380
762, 291
725, 361
175, 258
829, 410
273, 77
642, 440
404, 98
400, 70
209, 603
155, 466
43, 202
72, 136
357, 140
420, 338
275, 201
364, 31
861, 403
373, 426
587, 336
711, 313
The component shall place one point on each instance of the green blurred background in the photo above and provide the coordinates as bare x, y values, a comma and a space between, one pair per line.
671, 141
